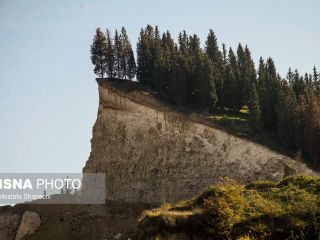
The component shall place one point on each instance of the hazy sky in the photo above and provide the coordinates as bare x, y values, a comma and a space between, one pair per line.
48, 93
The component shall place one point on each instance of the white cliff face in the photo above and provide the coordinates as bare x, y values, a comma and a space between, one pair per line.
153, 154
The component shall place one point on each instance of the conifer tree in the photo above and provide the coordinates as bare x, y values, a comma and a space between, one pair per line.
216, 57
160, 70
98, 53
290, 76
299, 85
235, 96
178, 79
205, 93
117, 54
212, 49
250, 76
247, 72
269, 96
110, 56
146, 55
242, 71
315, 75
132, 67
127, 61
254, 108
142, 52
302, 106
229, 87
286, 114
312, 129
316, 81
183, 43
194, 45
224, 55
262, 85
124, 53
194, 58
165, 58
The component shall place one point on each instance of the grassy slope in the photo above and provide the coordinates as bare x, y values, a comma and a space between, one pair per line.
238, 124
227, 210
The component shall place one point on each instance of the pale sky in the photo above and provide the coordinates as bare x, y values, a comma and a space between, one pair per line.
48, 93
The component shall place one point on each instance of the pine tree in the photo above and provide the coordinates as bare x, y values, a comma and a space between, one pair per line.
216, 57
132, 67
224, 55
146, 55
235, 96
286, 115
312, 129
212, 49
124, 52
229, 87
98, 53
247, 73
194, 45
160, 70
316, 81
315, 75
300, 123
127, 61
183, 43
262, 85
254, 108
242, 71
142, 52
194, 56
290, 76
118, 56
165, 57
250, 76
178, 79
110, 56
298, 84
205, 92
269, 87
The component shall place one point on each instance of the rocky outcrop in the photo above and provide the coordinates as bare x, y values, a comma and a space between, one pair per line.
151, 153
29, 224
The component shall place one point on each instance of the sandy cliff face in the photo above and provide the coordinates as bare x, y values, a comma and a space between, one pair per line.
153, 154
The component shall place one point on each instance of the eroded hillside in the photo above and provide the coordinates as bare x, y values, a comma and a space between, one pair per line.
152, 153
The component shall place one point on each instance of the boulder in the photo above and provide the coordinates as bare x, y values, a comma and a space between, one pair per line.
29, 224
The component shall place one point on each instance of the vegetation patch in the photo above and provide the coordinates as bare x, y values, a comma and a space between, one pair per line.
228, 210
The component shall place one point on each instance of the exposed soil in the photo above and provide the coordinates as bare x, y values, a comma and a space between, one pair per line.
114, 220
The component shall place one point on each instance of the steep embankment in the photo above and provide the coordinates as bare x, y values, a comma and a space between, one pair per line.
151, 153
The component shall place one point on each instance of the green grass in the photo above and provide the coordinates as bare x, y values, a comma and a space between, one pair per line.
289, 209
238, 124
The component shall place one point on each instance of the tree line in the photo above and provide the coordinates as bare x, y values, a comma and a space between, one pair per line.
113, 56
213, 77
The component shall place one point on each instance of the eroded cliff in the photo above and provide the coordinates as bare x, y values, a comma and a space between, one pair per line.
151, 153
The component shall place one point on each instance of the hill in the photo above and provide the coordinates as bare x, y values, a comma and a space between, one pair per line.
288, 209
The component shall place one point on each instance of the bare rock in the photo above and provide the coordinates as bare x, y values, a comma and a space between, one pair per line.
29, 224
118, 236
